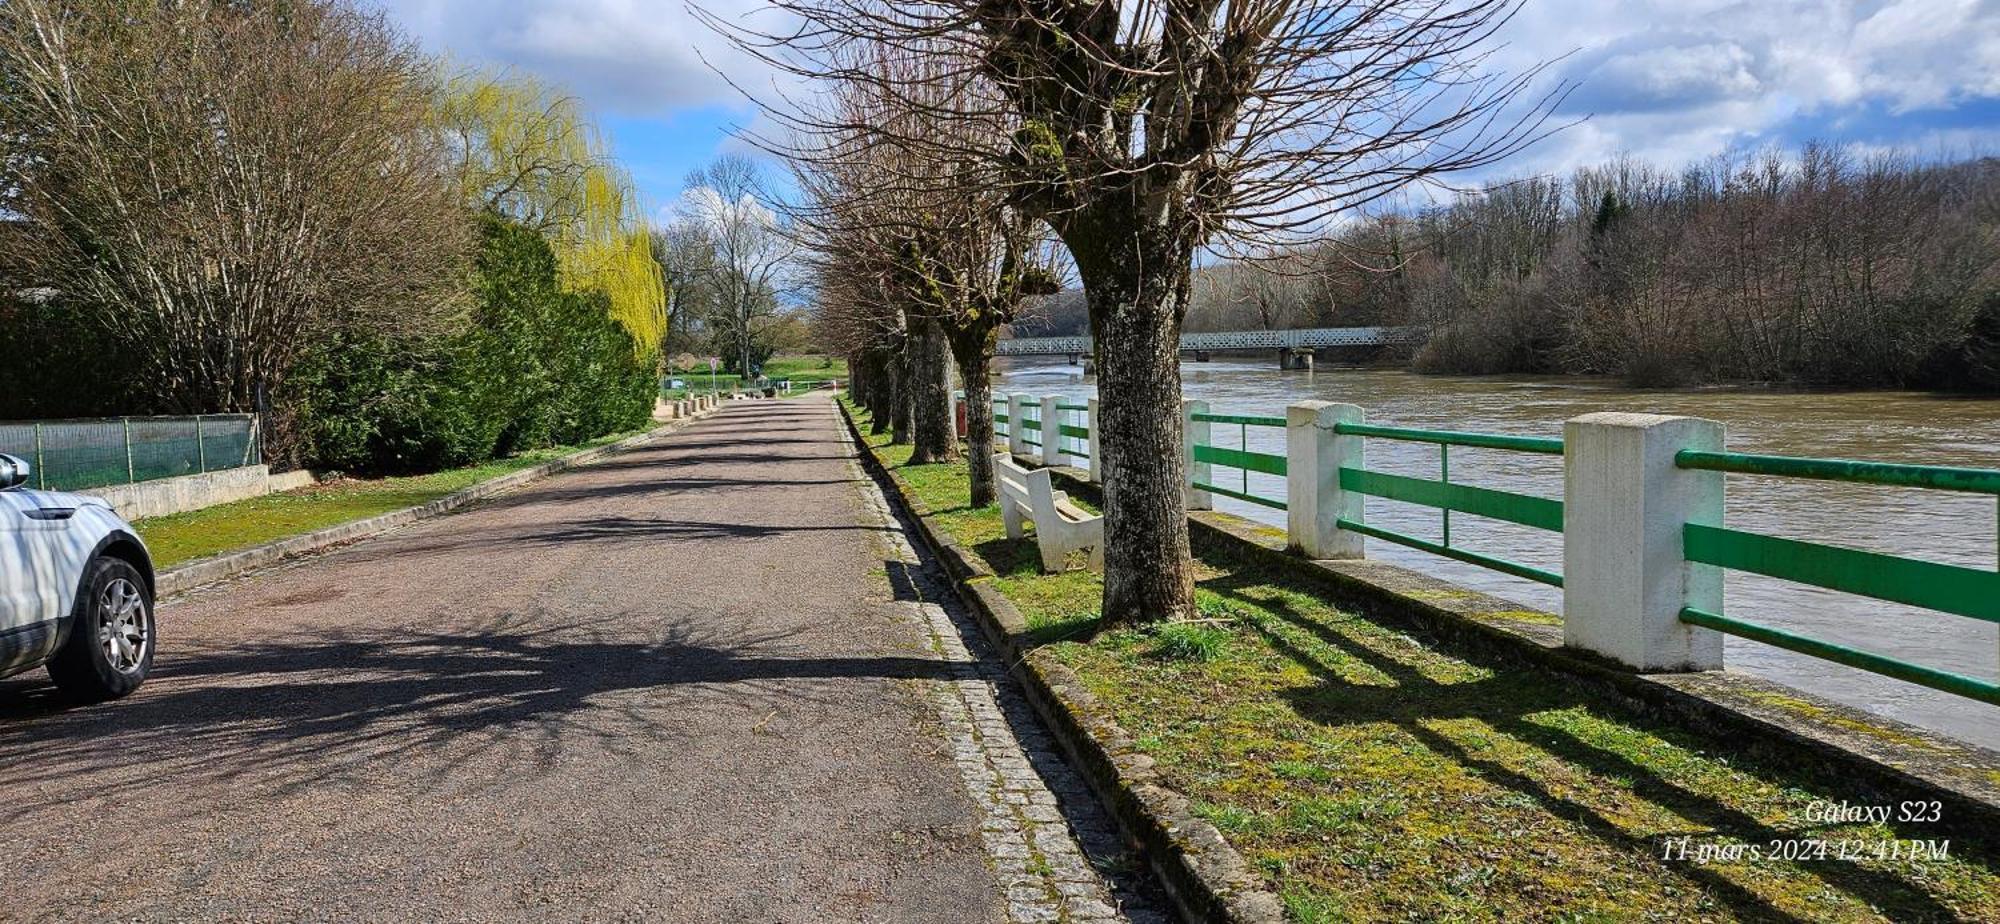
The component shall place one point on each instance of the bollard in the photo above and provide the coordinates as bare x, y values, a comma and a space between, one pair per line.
1017, 435
1096, 454
1195, 432
1315, 501
1625, 577
1052, 454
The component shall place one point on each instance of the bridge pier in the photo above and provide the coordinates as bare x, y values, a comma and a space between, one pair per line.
1289, 358
1201, 356
1075, 358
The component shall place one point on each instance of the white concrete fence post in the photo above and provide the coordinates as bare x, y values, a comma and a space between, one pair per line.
1052, 454
1315, 503
1096, 454
1017, 435
1625, 577
1192, 432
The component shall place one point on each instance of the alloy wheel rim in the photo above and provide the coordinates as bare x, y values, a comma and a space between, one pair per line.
121, 626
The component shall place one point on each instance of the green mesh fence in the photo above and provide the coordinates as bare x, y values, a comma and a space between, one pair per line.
72, 455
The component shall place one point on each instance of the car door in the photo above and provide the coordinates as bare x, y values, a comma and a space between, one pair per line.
32, 535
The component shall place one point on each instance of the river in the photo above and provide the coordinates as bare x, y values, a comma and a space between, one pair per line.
1878, 426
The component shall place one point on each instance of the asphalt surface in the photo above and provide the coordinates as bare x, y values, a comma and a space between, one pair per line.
669, 686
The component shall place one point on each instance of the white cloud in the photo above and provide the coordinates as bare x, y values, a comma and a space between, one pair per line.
628, 57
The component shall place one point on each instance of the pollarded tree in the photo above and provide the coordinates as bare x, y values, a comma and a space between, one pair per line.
1146, 130
750, 252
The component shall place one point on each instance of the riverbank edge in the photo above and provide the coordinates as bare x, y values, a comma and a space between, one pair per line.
203, 572
1207, 879
1890, 761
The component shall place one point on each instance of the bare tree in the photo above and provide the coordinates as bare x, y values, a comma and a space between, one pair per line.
1145, 130
260, 181
750, 251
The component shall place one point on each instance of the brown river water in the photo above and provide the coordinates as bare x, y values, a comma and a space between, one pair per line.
1877, 426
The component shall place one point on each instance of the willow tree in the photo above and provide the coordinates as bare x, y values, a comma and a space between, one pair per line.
534, 156
1144, 131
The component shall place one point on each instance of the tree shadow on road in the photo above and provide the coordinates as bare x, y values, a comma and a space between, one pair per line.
323, 708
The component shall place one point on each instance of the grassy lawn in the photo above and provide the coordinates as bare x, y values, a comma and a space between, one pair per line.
185, 537
1371, 775
778, 368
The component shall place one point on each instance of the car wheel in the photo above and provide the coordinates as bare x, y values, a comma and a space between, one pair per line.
110, 646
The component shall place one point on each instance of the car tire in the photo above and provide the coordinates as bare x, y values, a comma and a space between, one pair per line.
110, 646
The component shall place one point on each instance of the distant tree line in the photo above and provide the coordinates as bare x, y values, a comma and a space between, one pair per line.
287, 208
1823, 268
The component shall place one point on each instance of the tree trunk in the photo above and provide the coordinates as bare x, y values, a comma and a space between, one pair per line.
901, 375
881, 392
973, 349
1133, 284
930, 394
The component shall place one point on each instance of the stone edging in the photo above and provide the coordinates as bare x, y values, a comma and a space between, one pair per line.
223, 567
1207, 878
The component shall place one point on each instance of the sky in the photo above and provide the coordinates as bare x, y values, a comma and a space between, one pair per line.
1670, 81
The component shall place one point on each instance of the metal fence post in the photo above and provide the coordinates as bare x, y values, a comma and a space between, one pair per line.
41, 470
1315, 452
200, 446
131, 473
1195, 433
1625, 571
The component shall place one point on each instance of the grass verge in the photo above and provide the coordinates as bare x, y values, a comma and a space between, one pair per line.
777, 368
184, 537
1372, 775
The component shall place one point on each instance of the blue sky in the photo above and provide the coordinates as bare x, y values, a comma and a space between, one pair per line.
1666, 80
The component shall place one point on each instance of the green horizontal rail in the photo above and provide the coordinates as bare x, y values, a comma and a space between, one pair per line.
1076, 453
1072, 407
1472, 558
999, 418
1240, 495
1068, 430
1030, 442
1525, 509
1030, 423
1947, 681
1544, 445
1949, 588
1264, 462
1943, 478
1240, 419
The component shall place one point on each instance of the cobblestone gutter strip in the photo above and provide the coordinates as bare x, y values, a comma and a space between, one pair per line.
1205, 877
1889, 762
223, 567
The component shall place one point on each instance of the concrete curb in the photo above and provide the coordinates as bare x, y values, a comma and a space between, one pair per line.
221, 568
1207, 878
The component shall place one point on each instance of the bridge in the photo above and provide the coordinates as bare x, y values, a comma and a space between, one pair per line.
1286, 342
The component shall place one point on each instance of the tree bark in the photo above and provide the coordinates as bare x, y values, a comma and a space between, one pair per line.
930, 394
1135, 286
901, 376
881, 393
973, 350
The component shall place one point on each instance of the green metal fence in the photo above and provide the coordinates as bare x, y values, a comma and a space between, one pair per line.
1000, 418
1446, 496
73, 455
1240, 457
1955, 589
1077, 434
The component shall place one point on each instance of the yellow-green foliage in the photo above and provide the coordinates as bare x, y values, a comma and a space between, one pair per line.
532, 154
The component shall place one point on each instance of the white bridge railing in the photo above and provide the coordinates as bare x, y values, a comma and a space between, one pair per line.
1303, 338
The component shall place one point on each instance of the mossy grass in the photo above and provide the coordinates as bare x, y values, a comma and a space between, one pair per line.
1370, 774
185, 537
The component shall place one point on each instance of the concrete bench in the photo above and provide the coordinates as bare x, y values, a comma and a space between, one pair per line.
1061, 527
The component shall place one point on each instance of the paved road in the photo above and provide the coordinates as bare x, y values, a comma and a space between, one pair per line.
677, 685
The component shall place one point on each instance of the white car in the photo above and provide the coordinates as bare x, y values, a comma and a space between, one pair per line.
76, 590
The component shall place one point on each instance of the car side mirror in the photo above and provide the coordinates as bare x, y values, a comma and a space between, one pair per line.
14, 472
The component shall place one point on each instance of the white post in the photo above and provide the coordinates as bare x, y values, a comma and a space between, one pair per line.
1052, 454
1096, 453
1195, 431
1625, 577
1017, 435
1314, 501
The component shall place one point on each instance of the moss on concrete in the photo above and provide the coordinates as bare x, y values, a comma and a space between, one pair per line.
1370, 775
